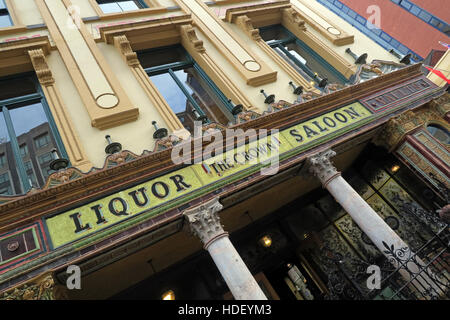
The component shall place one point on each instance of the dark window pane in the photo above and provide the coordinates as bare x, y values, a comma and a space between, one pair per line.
440, 133
274, 33
156, 58
12, 88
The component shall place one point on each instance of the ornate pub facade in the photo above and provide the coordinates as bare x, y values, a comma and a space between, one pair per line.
190, 149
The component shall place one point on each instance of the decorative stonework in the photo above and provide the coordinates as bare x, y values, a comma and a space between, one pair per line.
375, 69
41, 68
245, 23
321, 166
63, 176
246, 116
293, 17
124, 46
204, 221
442, 104
42, 288
422, 165
395, 130
166, 143
190, 34
119, 158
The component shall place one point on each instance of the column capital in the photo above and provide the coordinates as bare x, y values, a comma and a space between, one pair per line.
321, 166
204, 221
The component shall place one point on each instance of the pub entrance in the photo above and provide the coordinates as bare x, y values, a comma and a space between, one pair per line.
310, 249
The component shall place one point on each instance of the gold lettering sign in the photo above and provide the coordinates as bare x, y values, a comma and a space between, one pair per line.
77, 223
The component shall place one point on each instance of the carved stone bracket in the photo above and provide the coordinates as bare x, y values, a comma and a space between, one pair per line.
293, 17
245, 23
41, 68
124, 46
189, 33
204, 221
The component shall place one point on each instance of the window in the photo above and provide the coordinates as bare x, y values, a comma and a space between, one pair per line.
5, 19
42, 141
439, 132
109, 6
30, 173
44, 162
302, 58
2, 160
5, 184
25, 116
187, 89
23, 150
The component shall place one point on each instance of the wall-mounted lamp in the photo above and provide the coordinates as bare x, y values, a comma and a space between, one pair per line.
266, 241
321, 82
297, 90
112, 147
358, 60
168, 295
58, 163
159, 132
236, 108
198, 116
403, 59
269, 98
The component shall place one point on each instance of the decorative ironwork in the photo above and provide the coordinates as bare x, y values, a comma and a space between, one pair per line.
428, 280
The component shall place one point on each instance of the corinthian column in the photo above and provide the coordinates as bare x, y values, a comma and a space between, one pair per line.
204, 222
383, 237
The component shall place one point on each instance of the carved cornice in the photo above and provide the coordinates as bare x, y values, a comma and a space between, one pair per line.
204, 221
260, 14
40, 65
41, 288
14, 55
149, 33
